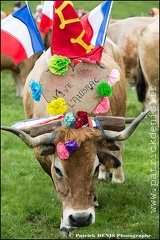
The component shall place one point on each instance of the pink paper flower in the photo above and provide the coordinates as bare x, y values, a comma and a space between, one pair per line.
62, 151
103, 106
114, 77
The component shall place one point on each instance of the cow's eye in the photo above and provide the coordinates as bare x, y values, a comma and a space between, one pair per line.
58, 171
96, 170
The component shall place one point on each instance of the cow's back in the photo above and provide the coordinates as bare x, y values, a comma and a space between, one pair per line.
125, 34
112, 50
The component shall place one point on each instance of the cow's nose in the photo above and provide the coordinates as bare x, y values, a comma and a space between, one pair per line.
80, 219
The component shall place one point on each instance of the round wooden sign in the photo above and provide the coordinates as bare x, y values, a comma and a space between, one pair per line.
78, 86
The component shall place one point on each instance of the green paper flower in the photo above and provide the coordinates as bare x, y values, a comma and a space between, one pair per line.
104, 89
58, 64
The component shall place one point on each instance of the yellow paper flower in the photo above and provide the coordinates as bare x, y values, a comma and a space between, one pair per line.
57, 106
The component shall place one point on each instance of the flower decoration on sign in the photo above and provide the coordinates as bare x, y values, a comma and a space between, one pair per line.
57, 106
113, 77
67, 148
69, 119
104, 89
36, 89
81, 119
59, 64
103, 106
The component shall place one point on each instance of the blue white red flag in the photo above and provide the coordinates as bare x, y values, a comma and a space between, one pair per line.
92, 123
25, 124
20, 37
47, 16
96, 22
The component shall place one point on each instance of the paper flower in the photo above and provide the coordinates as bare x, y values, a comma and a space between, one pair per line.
36, 89
67, 148
69, 119
58, 64
62, 151
114, 77
104, 89
71, 146
103, 106
81, 119
57, 106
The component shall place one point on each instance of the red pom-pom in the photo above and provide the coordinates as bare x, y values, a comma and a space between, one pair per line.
82, 119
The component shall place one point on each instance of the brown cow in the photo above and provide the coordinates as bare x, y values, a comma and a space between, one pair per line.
124, 34
112, 50
148, 69
75, 178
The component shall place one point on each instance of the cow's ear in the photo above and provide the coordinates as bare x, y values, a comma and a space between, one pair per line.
106, 158
111, 145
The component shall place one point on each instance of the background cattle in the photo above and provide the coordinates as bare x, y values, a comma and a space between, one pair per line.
124, 34
148, 68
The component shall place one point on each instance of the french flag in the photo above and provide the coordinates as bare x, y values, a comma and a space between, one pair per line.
92, 122
47, 17
20, 37
95, 23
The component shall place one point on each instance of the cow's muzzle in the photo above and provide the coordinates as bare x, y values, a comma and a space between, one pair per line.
80, 219
75, 218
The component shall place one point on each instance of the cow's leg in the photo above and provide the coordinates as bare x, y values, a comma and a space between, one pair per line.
118, 175
19, 86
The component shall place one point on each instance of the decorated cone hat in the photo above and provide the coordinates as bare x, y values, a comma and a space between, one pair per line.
69, 39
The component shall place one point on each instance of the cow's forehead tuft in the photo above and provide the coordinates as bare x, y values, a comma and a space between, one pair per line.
65, 134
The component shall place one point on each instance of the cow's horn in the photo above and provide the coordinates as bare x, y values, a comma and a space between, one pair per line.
29, 141
123, 135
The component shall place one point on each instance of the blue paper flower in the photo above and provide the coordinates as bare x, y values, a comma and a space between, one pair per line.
36, 89
69, 119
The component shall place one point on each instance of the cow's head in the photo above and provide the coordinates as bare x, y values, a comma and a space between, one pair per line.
75, 177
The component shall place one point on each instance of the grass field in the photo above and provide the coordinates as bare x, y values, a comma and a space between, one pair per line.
30, 208
120, 9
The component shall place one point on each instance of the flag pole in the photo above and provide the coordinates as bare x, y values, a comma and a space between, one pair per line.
105, 35
39, 33
45, 54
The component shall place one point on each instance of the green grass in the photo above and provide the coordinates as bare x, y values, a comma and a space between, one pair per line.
29, 205
120, 9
